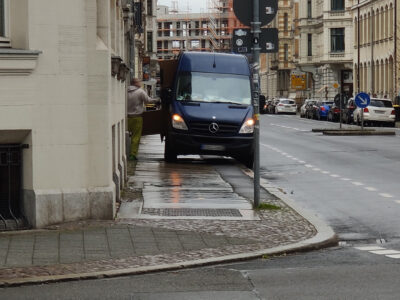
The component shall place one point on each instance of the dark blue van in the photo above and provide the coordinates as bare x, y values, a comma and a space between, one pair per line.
209, 107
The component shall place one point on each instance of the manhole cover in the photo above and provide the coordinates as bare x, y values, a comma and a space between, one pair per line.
191, 212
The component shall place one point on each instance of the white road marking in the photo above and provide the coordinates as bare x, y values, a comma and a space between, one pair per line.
302, 161
357, 183
325, 172
316, 169
345, 179
334, 176
385, 252
386, 195
371, 189
309, 166
397, 201
369, 248
393, 256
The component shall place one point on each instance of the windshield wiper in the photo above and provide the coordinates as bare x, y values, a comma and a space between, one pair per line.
230, 102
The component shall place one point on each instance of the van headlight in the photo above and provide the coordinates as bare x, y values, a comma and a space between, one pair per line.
247, 127
178, 122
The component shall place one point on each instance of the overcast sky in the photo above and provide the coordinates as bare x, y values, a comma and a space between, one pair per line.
194, 5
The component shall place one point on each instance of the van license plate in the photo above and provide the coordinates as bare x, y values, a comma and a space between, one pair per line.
213, 147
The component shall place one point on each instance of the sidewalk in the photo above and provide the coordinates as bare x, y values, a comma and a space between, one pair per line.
172, 216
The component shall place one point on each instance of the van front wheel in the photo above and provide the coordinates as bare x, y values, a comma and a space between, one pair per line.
247, 160
170, 154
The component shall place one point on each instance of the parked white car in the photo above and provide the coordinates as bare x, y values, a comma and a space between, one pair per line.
286, 106
303, 107
379, 111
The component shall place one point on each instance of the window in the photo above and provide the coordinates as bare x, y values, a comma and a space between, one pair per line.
2, 19
309, 44
149, 7
150, 41
337, 4
176, 44
285, 22
309, 9
286, 52
337, 39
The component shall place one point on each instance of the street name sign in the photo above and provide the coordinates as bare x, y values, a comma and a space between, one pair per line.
362, 100
244, 11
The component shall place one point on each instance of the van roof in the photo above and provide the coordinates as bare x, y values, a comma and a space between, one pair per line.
204, 62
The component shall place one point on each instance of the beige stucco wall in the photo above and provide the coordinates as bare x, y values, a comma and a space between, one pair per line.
68, 104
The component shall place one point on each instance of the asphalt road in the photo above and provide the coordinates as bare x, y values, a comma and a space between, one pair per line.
348, 181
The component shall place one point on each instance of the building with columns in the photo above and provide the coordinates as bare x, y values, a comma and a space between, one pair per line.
374, 47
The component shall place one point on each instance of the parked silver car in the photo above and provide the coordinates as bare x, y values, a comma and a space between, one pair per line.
303, 107
379, 111
285, 105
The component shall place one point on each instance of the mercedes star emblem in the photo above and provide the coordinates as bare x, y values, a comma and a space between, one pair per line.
213, 128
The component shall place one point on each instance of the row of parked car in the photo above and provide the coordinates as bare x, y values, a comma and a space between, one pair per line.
380, 111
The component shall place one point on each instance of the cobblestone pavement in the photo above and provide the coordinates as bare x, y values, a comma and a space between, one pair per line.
92, 247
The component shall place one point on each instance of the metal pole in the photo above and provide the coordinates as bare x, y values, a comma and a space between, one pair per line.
256, 63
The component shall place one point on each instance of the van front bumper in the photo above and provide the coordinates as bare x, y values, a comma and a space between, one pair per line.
185, 143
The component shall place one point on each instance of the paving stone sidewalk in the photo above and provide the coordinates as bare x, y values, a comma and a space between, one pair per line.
90, 249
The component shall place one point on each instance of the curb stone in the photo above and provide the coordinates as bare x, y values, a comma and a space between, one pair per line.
325, 237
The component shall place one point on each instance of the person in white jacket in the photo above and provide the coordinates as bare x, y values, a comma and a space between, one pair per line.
137, 98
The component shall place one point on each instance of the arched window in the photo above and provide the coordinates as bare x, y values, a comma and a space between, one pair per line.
386, 22
382, 24
376, 25
355, 27
365, 29
376, 77
387, 76
391, 25
355, 72
361, 30
369, 28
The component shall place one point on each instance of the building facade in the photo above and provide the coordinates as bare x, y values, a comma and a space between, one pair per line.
208, 31
374, 47
325, 46
277, 69
63, 66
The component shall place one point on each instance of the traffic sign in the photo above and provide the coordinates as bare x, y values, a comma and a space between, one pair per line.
362, 100
242, 41
269, 40
244, 11
341, 96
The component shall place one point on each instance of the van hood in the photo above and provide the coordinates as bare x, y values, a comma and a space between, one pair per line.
217, 112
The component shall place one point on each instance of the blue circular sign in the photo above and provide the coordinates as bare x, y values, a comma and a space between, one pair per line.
362, 100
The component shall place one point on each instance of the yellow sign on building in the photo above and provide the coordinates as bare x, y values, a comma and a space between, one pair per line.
299, 82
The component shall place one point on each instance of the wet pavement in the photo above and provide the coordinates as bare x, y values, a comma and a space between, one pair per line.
192, 213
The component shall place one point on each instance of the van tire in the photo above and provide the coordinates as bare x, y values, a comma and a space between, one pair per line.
170, 154
248, 161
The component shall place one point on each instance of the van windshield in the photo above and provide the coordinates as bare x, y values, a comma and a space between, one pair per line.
213, 87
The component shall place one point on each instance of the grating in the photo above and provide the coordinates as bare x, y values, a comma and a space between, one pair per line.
191, 212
